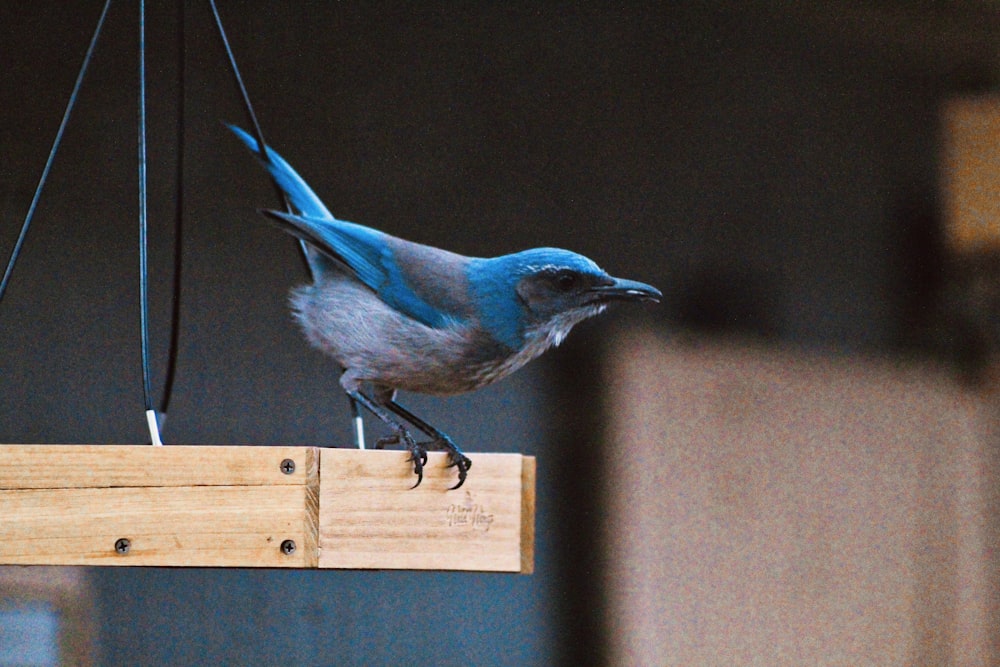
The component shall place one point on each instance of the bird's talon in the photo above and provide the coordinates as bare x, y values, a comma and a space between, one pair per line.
462, 474
463, 463
418, 469
418, 456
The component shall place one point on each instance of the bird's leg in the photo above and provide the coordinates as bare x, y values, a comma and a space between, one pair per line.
418, 452
359, 424
438, 439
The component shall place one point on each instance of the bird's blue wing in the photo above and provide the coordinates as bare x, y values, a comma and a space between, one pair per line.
356, 248
426, 293
380, 261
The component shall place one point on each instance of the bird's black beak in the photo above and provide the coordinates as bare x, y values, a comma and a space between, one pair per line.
626, 290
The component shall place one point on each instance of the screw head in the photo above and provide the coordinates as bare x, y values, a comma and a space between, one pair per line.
287, 466
122, 545
288, 547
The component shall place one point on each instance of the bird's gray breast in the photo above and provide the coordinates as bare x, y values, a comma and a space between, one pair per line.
377, 343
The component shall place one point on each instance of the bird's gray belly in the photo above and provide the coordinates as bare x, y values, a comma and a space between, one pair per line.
378, 344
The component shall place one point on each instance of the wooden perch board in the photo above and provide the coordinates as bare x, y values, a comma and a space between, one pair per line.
248, 506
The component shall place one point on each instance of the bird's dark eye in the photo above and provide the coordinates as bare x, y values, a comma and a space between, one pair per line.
566, 281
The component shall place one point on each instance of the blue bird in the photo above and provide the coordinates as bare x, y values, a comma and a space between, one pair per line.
401, 315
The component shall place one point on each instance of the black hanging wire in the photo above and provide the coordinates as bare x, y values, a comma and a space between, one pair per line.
359, 433
179, 206
239, 80
258, 133
181, 130
52, 153
151, 417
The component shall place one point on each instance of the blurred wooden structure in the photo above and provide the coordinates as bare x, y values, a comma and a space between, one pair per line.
782, 508
58, 624
971, 173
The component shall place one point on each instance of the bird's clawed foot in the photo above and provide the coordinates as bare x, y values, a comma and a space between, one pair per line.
418, 451
418, 454
462, 463
457, 459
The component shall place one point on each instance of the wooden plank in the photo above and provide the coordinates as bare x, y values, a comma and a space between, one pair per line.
371, 518
234, 506
178, 526
528, 515
179, 506
86, 466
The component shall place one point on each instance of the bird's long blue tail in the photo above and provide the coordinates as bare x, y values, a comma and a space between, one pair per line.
300, 195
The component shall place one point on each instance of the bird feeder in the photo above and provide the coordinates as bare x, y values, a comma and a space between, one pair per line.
253, 506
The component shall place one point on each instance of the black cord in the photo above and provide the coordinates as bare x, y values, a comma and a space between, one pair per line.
175, 310
239, 81
262, 150
143, 267
143, 197
258, 133
52, 153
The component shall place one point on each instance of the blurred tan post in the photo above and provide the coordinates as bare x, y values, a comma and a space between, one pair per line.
971, 173
783, 508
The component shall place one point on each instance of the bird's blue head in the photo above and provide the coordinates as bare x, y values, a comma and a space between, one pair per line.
536, 296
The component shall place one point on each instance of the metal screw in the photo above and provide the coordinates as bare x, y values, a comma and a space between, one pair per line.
288, 547
287, 466
122, 545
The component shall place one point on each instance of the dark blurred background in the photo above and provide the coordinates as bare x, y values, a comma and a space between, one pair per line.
771, 167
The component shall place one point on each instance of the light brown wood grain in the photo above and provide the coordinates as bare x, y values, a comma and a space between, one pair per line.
371, 518
86, 466
187, 506
528, 515
197, 525
233, 506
